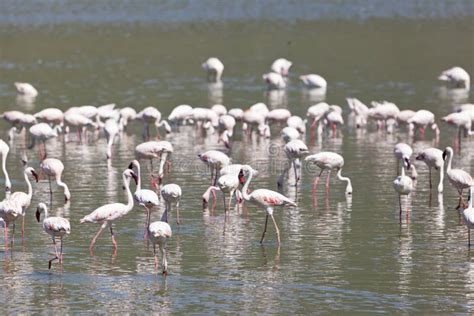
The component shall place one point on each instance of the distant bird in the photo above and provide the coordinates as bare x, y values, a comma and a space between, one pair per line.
402, 151
111, 129
144, 197
277, 116
9, 212
468, 215
171, 193
281, 66
382, 112
51, 116
334, 118
422, 119
226, 129
403, 184
214, 69
290, 133
266, 199
180, 114
158, 233
127, 114
274, 81
53, 167
315, 113
106, 214
24, 199
298, 123
327, 160
79, 121
215, 160
55, 227
151, 115
456, 77
152, 150
294, 150
458, 178
313, 81
228, 184
4, 149
42, 132
26, 89
433, 157
463, 122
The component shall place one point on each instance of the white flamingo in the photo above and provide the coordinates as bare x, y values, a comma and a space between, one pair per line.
180, 114
297, 123
402, 151
53, 167
458, 178
456, 77
26, 89
42, 132
327, 160
421, 119
468, 215
294, 150
171, 193
144, 197
253, 119
382, 112
236, 113
106, 214
24, 199
277, 116
152, 150
226, 128
290, 133
433, 158
215, 160
51, 116
462, 120
158, 233
403, 184
228, 184
214, 69
56, 227
150, 115
281, 66
79, 121
312, 81
111, 129
274, 81
316, 113
9, 212
127, 114
4, 149
266, 199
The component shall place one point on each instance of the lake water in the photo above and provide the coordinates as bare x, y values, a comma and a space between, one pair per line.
338, 254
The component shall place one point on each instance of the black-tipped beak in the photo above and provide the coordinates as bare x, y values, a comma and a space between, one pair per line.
35, 175
408, 163
444, 155
130, 166
38, 215
134, 176
419, 157
204, 203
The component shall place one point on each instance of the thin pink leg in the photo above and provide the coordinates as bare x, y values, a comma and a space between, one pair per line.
23, 229
95, 237
327, 181
113, 237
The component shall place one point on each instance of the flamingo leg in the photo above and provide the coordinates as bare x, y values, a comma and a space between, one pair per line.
296, 173
276, 230
5, 236
147, 222
23, 229
55, 253
316, 181
164, 217
468, 238
327, 180
113, 237
91, 246
225, 204
400, 204
264, 229
155, 257
61, 252
177, 212
230, 199
430, 178
13, 236
212, 175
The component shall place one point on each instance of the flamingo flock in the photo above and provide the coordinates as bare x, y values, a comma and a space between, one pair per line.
233, 180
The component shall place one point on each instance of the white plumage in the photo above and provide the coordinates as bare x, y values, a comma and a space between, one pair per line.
214, 69
312, 81
274, 80
4, 149
50, 115
327, 160
433, 158
158, 233
215, 160
458, 178
171, 193
402, 151
281, 66
403, 184
53, 167
26, 89
468, 215
294, 150
456, 77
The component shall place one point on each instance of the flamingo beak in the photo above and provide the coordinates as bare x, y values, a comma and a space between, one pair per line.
444, 155
38, 215
130, 166
204, 203
35, 175
135, 177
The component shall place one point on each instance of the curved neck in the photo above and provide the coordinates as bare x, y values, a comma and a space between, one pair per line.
162, 164
28, 183
4, 168
441, 178
403, 170
246, 187
46, 213
471, 196
206, 194
139, 180
67, 194
450, 159
349, 184
126, 183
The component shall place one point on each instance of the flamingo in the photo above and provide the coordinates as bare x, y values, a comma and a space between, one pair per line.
106, 214
171, 193
274, 81
214, 69
462, 120
24, 199
50, 115
297, 123
180, 114
290, 133
277, 116
404, 115
127, 114
402, 151
226, 126
9, 212
42, 132
26, 89
294, 150
458, 178
219, 109
383, 111
312, 81
421, 119
4, 149
316, 113
468, 215
144, 197
252, 119
456, 77
228, 183
54, 226
18, 120
433, 158
151, 115
158, 233
237, 113
111, 129
266, 199
403, 184
73, 118
108, 111
334, 117
281, 66
327, 160
155, 149
53, 167
215, 160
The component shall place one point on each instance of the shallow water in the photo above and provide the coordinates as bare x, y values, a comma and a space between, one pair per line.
337, 254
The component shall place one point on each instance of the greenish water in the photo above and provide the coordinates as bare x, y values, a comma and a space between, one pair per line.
336, 256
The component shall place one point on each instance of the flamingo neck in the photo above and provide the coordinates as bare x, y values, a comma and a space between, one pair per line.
246, 186
46, 213
450, 159
8, 184
139, 180
349, 184
126, 183
28, 183
162, 163
471, 196
67, 194
207, 194
441, 178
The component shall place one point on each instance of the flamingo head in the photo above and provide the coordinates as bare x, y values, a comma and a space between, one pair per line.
130, 174
407, 162
32, 172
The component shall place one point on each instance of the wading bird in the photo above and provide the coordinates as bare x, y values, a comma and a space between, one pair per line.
171, 193
403, 184
158, 233
433, 158
458, 178
468, 215
327, 160
24, 199
53, 167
